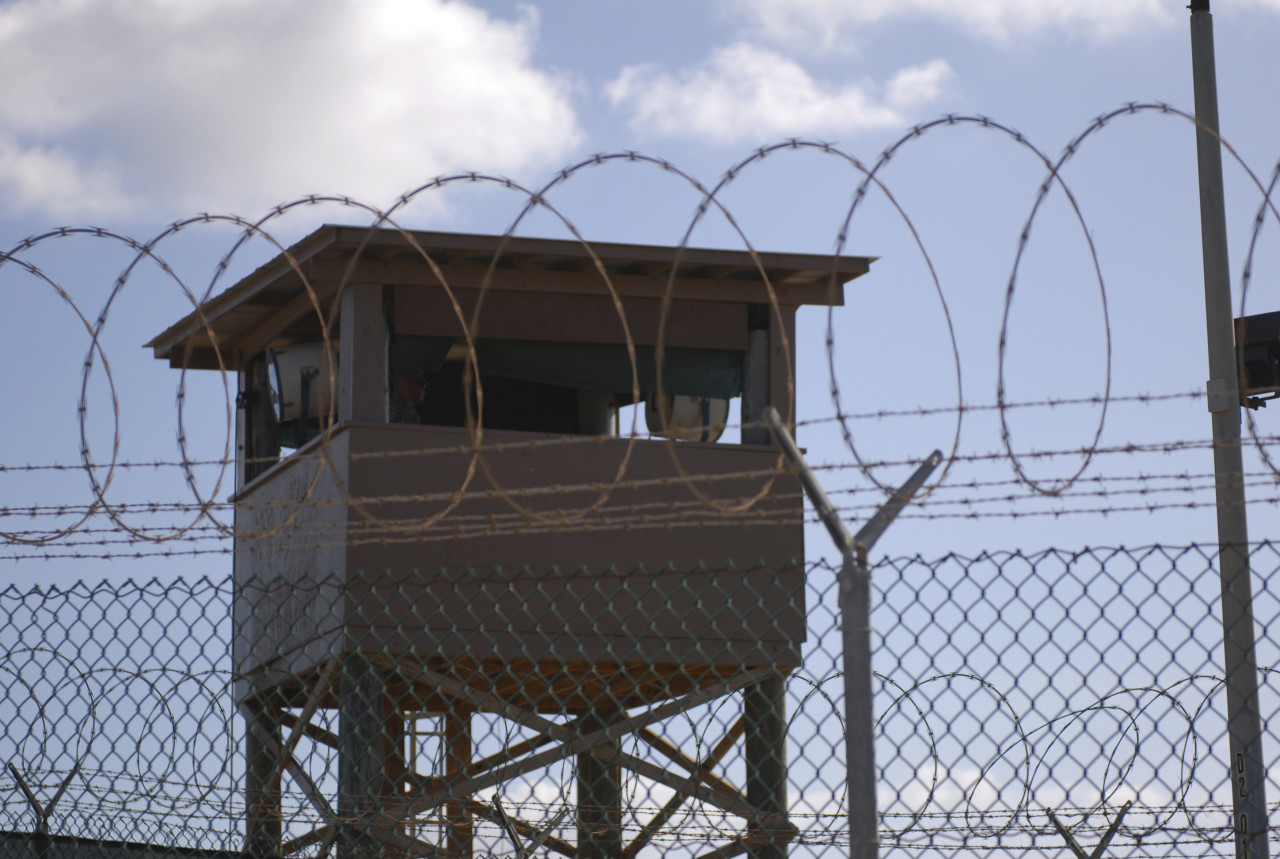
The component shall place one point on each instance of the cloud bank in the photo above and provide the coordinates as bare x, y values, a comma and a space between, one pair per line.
749, 93
830, 23
232, 105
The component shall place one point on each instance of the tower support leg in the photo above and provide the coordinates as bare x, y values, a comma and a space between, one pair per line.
764, 707
457, 755
263, 823
367, 758
599, 796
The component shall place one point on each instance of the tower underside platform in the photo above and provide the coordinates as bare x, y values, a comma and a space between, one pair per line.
439, 683
403, 758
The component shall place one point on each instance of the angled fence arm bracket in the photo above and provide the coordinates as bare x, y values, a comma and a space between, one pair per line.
869, 533
817, 495
43, 813
1102, 845
31, 797
858, 544
523, 850
544, 833
514, 834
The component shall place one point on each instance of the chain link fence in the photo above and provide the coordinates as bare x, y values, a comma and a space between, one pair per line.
600, 713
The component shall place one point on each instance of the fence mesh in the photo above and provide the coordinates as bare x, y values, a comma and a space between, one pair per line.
504, 713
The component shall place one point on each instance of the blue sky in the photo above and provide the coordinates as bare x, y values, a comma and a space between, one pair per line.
129, 116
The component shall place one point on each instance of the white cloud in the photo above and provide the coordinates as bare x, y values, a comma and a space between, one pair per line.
746, 92
828, 23
238, 104
916, 85
48, 179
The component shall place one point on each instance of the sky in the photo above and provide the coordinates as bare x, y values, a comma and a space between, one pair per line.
119, 119
122, 118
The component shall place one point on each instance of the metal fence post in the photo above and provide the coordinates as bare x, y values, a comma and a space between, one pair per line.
1244, 727
853, 587
855, 621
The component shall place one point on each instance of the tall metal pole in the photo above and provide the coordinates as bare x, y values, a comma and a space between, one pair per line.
1244, 727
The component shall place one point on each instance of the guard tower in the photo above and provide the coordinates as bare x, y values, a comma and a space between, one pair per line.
399, 563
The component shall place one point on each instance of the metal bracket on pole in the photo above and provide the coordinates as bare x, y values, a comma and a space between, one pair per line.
854, 587
1218, 397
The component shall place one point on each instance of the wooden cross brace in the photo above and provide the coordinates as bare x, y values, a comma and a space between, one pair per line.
556, 741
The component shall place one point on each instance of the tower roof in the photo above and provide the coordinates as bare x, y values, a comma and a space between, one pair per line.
286, 299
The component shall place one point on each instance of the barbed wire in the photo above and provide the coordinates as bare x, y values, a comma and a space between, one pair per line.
535, 443
665, 516
1128, 448
450, 526
323, 303
180, 767
1151, 485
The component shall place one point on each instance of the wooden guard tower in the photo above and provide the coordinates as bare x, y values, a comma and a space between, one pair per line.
582, 586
